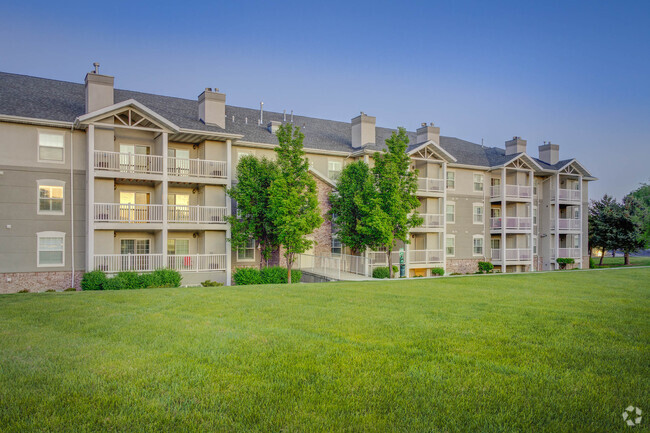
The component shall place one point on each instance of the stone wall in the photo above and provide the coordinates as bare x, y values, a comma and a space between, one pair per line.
12, 282
462, 266
323, 234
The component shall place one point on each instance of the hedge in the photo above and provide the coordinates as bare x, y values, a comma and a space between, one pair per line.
382, 272
485, 267
563, 261
127, 280
270, 275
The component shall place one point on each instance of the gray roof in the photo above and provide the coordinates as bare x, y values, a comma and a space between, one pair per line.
42, 98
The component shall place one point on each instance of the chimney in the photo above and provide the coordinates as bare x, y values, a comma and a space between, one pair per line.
99, 90
428, 132
212, 107
273, 126
516, 145
363, 130
549, 153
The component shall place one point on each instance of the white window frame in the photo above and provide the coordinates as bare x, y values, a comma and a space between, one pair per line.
534, 245
41, 132
474, 238
453, 204
246, 247
482, 182
336, 240
492, 242
453, 238
329, 168
534, 215
175, 246
49, 182
451, 188
49, 234
474, 207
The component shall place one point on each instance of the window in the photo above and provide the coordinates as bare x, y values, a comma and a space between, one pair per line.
478, 245
535, 186
451, 180
178, 209
333, 169
134, 246
451, 212
478, 182
451, 245
576, 241
495, 212
246, 252
534, 245
50, 147
478, 213
495, 244
336, 245
179, 161
178, 246
50, 197
51, 246
534, 215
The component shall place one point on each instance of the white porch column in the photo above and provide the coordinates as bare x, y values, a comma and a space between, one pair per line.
164, 142
557, 219
503, 220
90, 198
582, 229
533, 264
444, 216
228, 246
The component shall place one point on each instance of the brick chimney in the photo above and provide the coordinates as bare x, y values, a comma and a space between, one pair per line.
516, 145
99, 90
549, 153
363, 130
212, 107
428, 132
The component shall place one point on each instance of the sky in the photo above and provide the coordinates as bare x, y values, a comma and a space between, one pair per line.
573, 73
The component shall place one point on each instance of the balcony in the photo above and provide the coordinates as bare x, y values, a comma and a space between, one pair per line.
196, 214
512, 223
128, 162
574, 253
430, 185
572, 195
425, 257
512, 191
197, 262
128, 213
182, 167
513, 255
567, 224
432, 221
127, 262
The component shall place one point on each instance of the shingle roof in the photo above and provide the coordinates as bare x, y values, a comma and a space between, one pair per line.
43, 98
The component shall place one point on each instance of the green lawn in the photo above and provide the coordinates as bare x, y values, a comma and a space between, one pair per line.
563, 351
618, 261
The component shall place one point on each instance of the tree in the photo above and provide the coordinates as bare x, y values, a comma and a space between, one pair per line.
251, 192
293, 196
601, 221
642, 194
353, 205
630, 234
396, 186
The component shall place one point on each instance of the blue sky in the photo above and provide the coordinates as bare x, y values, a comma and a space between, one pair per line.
575, 73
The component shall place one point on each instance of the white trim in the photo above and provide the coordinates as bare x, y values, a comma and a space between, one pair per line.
452, 203
482, 237
482, 191
246, 260
49, 182
449, 157
447, 180
39, 132
482, 206
454, 238
115, 108
49, 234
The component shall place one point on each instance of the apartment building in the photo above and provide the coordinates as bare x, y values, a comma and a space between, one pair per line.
94, 177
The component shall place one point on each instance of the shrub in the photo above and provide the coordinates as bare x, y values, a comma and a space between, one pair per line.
93, 280
115, 283
210, 283
147, 281
592, 263
485, 267
50, 291
23, 291
455, 273
278, 275
437, 271
247, 276
70, 289
563, 261
130, 280
383, 272
167, 277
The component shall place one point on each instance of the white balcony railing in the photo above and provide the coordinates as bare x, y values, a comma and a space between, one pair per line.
425, 257
518, 254
567, 224
573, 195
574, 253
512, 191
128, 162
196, 214
127, 262
379, 258
128, 213
432, 220
197, 262
196, 167
430, 185
512, 223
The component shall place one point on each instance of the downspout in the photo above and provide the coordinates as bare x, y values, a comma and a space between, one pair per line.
72, 205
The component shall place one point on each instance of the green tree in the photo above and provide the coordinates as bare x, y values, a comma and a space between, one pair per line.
630, 227
642, 194
601, 220
396, 186
252, 194
293, 196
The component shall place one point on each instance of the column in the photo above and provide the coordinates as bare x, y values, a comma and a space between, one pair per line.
503, 220
90, 198
582, 265
557, 219
531, 179
444, 216
228, 248
164, 142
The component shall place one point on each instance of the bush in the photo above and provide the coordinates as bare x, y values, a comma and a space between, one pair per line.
563, 261
455, 273
278, 275
70, 289
23, 291
130, 280
437, 271
247, 276
115, 283
485, 267
167, 278
147, 281
383, 272
93, 280
210, 283
592, 263
50, 291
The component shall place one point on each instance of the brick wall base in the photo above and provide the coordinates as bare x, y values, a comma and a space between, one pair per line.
12, 282
462, 266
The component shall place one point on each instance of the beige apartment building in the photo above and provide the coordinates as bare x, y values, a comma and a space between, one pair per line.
94, 177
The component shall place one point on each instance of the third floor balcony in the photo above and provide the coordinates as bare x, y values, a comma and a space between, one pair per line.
524, 192
431, 185
132, 163
511, 223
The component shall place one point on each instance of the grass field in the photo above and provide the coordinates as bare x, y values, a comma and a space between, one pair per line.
563, 351
618, 261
